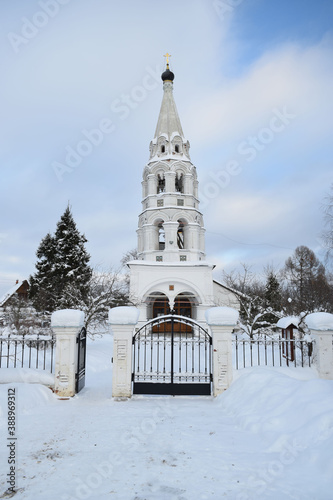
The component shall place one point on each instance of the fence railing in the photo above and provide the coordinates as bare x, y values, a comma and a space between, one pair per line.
27, 351
267, 351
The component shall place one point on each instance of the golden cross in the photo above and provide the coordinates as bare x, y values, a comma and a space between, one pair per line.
167, 55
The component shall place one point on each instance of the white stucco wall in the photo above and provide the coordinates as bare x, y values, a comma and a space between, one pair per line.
224, 297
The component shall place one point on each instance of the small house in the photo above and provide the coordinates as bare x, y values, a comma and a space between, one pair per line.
20, 289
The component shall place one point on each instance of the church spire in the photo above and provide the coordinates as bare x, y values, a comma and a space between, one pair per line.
169, 137
171, 226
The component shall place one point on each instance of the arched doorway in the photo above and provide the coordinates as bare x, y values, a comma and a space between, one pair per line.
184, 305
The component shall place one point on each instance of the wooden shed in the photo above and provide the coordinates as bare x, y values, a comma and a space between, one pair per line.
288, 327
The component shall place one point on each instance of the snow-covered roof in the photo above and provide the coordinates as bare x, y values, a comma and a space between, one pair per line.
287, 321
320, 321
168, 121
177, 134
236, 292
169, 156
188, 263
10, 292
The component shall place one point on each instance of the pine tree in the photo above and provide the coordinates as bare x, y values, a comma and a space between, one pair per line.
273, 292
42, 282
63, 273
272, 297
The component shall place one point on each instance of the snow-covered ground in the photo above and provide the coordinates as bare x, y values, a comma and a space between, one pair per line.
270, 436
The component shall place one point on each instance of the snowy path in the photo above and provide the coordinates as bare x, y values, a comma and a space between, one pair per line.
268, 437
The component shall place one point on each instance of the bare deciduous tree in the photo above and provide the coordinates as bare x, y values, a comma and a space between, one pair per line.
106, 289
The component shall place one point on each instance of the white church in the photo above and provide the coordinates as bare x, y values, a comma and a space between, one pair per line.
172, 273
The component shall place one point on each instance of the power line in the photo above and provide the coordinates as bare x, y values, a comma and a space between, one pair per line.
250, 244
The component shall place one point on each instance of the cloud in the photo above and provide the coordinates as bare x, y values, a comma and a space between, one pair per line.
66, 79
294, 76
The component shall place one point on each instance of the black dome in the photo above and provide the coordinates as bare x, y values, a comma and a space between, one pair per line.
167, 75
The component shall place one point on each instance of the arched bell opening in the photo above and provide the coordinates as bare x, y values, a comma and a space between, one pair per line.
161, 236
181, 240
179, 182
160, 183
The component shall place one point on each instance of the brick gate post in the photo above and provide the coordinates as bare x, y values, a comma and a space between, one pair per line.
66, 325
321, 326
221, 321
122, 321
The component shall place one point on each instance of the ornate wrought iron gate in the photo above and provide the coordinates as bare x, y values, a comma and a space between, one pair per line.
172, 355
81, 360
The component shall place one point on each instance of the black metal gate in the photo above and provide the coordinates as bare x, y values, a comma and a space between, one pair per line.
81, 360
172, 355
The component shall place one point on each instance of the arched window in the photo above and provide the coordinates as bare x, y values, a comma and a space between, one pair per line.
183, 306
179, 182
160, 305
162, 148
160, 183
176, 148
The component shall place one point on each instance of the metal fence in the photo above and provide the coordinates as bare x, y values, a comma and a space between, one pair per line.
267, 351
27, 351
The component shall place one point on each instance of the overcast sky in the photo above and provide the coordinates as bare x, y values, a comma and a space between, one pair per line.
253, 86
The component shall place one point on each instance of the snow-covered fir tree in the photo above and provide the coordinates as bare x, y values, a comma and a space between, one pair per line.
42, 291
273, 295
63, 272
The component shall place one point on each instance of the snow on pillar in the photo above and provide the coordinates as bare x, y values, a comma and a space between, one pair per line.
221, 320
321, 326
188, 184
170, 229
152, 184
170, 178
151, 238
122, 321
202, 240
195, 188
192, 237
66, 325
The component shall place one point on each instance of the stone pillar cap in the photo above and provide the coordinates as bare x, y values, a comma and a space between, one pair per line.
221, 316
320, 321
124, 315
67, 318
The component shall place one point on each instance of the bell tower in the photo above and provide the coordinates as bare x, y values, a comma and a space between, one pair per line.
171, 273
170, 225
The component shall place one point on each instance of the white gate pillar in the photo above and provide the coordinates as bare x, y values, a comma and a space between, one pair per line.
221, 321
66, 325
122, 321
321, 326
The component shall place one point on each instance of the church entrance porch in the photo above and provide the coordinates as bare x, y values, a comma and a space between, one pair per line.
172, 355
183, 306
